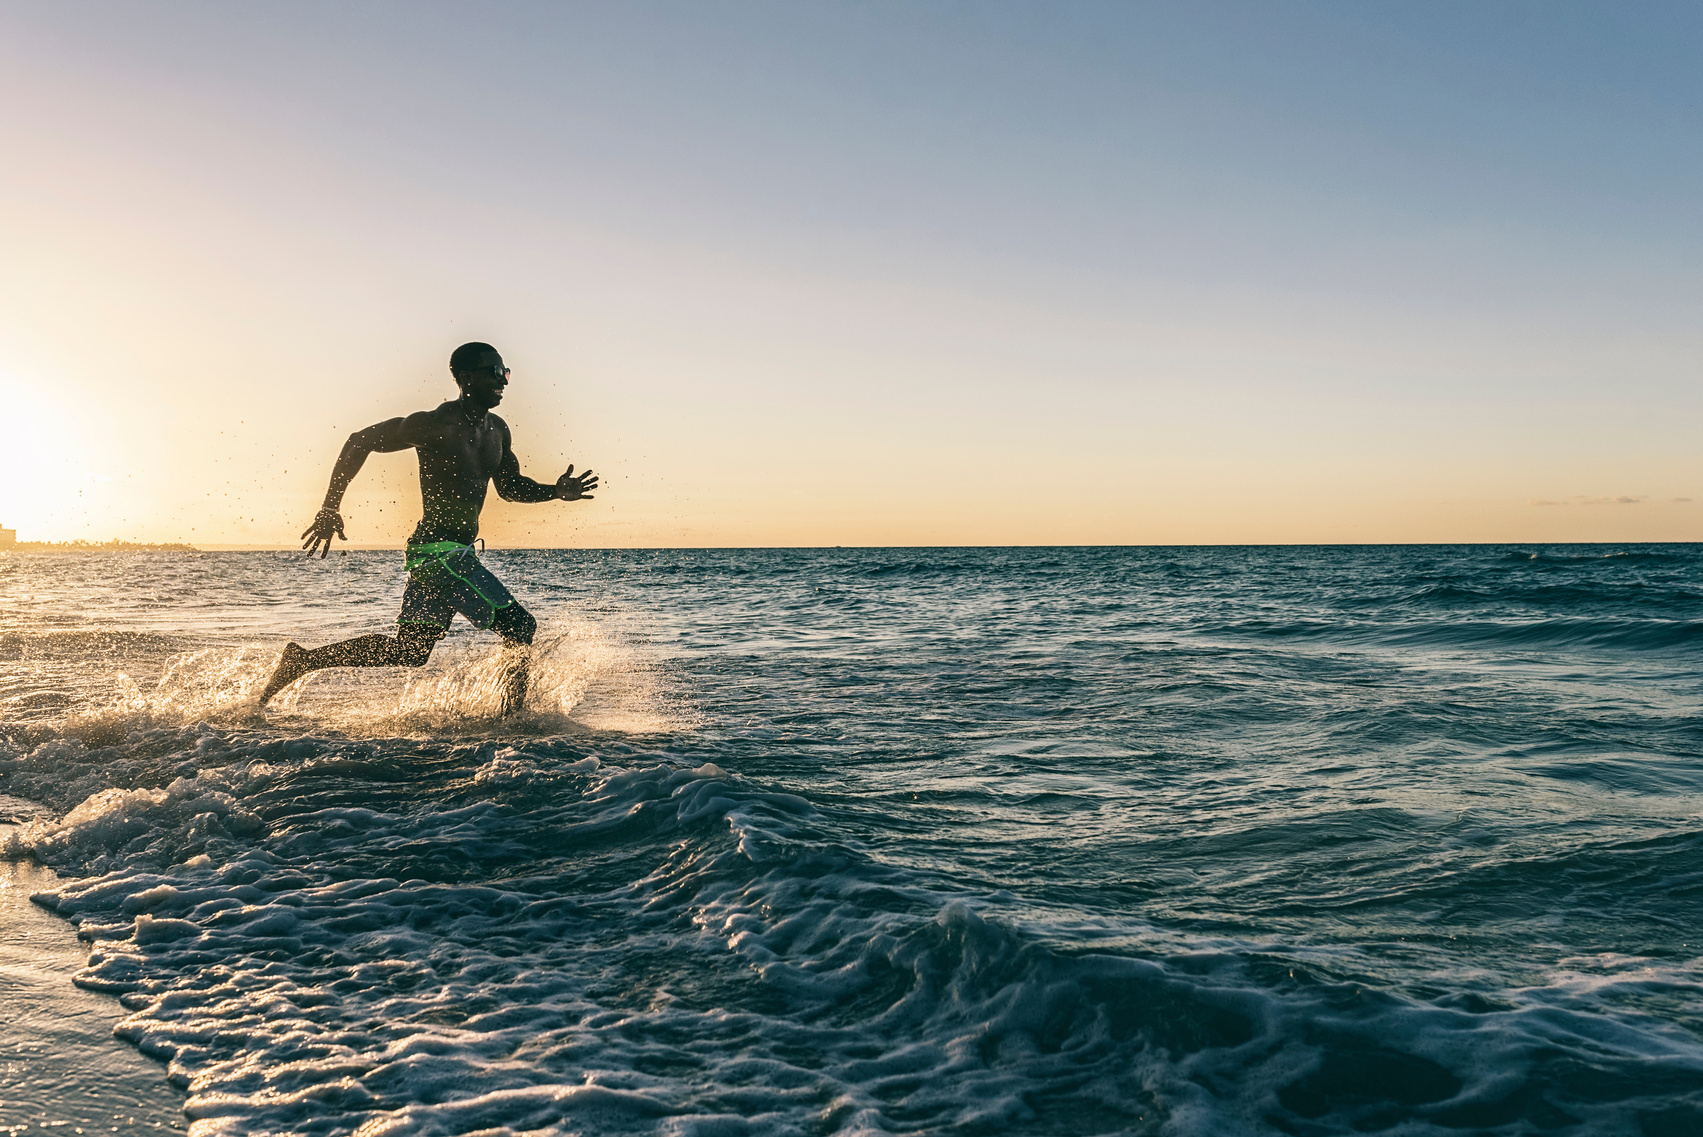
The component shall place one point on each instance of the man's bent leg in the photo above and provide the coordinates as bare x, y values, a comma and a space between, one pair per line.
457, 582
410, 647
517, 627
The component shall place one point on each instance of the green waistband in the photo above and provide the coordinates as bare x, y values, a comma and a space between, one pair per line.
417, 555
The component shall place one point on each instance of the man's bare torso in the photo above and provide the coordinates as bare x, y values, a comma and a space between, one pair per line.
458, 459
463, 449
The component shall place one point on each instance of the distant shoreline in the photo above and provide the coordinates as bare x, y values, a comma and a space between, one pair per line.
94, 547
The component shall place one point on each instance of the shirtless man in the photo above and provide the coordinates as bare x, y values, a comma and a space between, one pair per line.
463, 448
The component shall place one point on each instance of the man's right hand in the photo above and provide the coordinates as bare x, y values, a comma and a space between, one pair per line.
325, 523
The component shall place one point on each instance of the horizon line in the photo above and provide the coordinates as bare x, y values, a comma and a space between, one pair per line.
225, 547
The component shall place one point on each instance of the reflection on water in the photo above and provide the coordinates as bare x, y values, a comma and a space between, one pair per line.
60, 1068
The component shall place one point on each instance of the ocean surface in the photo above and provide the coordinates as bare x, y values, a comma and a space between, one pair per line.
1290, 840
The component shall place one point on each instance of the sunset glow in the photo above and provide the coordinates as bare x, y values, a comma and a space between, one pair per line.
861, 274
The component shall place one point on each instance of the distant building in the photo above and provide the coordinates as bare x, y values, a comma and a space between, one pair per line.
8, 537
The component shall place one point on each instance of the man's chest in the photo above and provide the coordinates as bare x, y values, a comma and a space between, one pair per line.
468, 454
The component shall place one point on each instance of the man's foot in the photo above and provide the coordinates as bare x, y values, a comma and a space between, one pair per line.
517, 667
292, 665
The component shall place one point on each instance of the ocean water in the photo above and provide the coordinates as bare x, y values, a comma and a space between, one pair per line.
1400, 840
60, 1067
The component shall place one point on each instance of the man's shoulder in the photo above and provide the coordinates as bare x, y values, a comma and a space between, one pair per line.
428, 420
421, 426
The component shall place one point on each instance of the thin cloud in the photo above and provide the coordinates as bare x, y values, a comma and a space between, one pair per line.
1600, 499
1679, 499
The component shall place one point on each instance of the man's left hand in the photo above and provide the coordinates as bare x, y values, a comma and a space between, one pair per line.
570, 488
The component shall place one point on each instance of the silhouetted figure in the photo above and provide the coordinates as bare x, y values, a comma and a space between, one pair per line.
463, 448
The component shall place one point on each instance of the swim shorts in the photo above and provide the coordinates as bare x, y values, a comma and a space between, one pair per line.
445, 578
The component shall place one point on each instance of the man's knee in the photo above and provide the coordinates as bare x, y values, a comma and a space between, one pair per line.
414, 643
515, 624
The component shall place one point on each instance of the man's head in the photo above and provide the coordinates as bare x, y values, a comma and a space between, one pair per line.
480, 374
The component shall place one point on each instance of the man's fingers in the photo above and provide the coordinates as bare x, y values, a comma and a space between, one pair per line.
586, 497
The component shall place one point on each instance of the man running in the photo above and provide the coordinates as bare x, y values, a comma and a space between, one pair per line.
463, 448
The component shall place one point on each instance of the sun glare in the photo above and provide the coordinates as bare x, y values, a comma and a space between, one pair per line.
49, 465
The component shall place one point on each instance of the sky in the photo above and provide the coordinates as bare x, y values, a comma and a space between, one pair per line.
862, 273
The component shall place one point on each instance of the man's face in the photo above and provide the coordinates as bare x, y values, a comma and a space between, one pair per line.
483, 381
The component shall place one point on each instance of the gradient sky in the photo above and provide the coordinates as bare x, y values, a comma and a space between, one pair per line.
862, 273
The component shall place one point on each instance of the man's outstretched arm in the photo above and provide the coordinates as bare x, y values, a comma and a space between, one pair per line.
512, 485
384, 437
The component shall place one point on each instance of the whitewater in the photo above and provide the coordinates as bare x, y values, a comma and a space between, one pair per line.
1183, 841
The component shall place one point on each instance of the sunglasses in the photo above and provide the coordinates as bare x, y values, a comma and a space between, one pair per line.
493, 369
